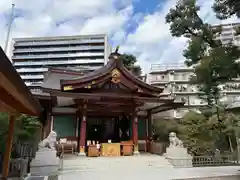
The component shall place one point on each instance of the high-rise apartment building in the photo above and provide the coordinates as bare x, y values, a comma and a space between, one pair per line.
228, 33
32, 56
175, 81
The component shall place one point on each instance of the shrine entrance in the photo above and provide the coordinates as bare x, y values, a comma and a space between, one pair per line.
103, 129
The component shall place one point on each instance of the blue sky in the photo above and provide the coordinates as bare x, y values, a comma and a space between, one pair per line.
138, 26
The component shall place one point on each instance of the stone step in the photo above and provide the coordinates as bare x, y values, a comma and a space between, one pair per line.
141, 162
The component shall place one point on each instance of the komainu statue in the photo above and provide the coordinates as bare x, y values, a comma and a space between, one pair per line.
50, 141
174, 140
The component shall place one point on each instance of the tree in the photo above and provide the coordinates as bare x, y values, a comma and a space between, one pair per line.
26, 128
214, 63
196, 134
162, 128
226, 8
129, 61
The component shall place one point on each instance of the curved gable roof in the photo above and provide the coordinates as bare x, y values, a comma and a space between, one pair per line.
14, 94
114, 63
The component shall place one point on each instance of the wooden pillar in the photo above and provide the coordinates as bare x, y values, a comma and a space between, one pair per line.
79, 117
135, 133
8, 149
149, 122
149, 130
43, 132
82, 142
47, 127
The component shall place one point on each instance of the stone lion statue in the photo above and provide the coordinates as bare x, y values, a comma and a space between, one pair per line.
174, 140
50, 141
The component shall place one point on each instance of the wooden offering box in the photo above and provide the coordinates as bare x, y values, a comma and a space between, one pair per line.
93, 151
127, 148
110, 149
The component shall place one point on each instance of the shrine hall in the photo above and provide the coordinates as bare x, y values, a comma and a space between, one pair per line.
106, 112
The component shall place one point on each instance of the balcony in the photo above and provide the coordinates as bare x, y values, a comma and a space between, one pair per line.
33, 84
42, 56
160, 67
24, 77
51, 49
61, 62
22, 70
231, 88
58, 42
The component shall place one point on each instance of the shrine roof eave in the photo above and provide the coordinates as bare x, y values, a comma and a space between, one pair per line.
115, 62
99, 96
163, 107
65, 71
15, 97
175, 105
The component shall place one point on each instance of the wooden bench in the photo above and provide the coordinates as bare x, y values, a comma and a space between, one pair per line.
67, 146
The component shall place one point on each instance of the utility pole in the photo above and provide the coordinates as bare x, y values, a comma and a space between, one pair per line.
9, 29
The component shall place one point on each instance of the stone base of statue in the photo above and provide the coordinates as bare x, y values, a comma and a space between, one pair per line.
46, 163
178, 157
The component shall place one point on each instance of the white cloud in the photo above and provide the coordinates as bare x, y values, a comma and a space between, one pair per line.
150, 41
65, 17
107, 23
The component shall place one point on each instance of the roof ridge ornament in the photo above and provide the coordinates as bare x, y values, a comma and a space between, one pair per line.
116, 76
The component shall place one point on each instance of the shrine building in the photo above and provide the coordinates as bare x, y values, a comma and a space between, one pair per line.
109, 106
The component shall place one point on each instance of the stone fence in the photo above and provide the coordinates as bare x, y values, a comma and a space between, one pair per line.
199, 161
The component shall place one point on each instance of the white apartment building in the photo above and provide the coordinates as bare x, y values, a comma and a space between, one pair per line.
32, 56
174, 78
228, 33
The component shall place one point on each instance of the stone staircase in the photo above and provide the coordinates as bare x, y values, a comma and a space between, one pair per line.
144, 161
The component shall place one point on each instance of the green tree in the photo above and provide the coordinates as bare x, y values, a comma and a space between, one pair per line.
226, 8
203, 133
214, 63
129, 61
26, 128
196, 134
162, 128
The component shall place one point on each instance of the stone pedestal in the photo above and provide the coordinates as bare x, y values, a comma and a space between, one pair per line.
46, 163
136, 153
178, 157
81, 154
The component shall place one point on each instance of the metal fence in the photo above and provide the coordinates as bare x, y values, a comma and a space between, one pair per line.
220, 160
229, 159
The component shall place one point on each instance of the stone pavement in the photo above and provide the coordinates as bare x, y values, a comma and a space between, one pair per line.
135, 168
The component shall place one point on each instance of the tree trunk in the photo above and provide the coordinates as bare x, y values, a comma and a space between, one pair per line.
230, 144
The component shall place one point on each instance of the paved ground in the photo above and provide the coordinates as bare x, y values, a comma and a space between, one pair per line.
133, 168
